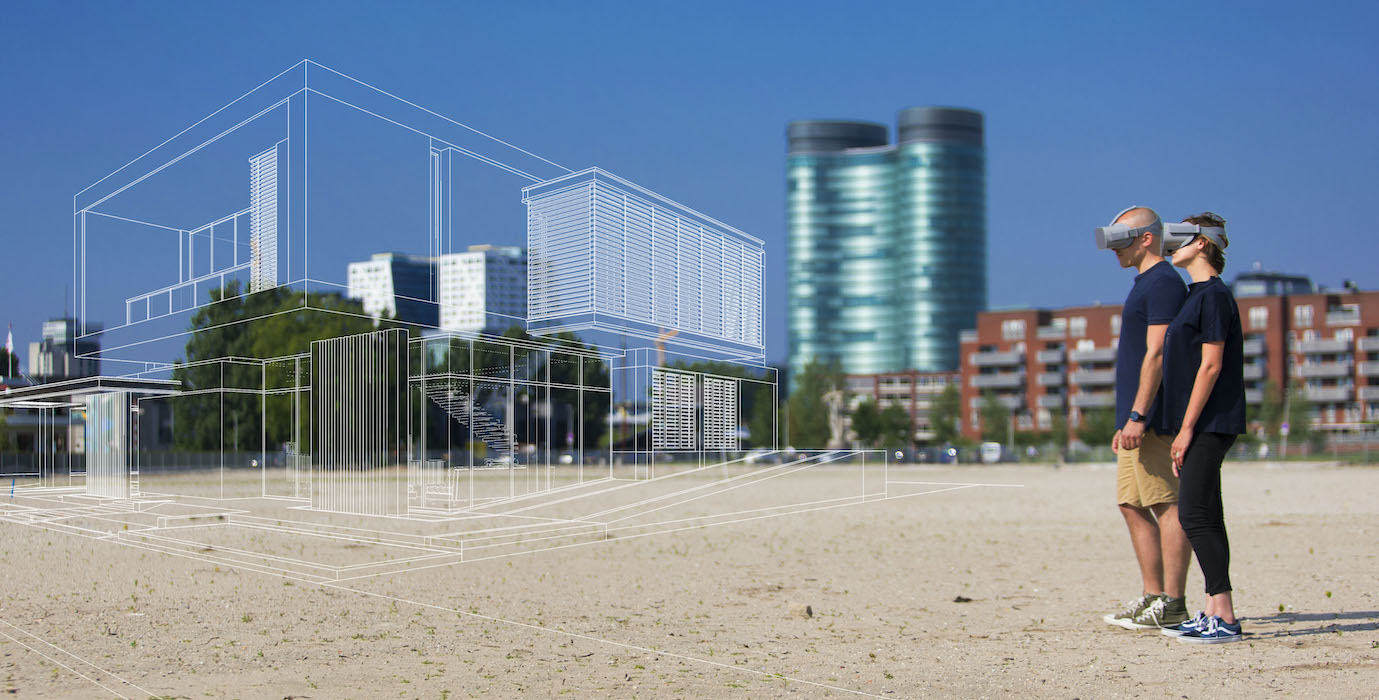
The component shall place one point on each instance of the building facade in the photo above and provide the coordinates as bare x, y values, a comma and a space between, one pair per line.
887, 242
483, 289
397, 286
912, 390
61, 354
1044, 364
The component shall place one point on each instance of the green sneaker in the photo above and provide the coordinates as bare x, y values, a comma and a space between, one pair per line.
1163, 612
1132, 610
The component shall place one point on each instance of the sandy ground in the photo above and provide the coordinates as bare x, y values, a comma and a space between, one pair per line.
708, 612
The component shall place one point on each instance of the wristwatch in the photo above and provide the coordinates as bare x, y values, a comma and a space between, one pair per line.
1137, 417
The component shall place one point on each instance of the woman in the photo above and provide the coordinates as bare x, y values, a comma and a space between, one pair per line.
1204, 400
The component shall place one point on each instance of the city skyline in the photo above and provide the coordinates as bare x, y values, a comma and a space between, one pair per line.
1065, 161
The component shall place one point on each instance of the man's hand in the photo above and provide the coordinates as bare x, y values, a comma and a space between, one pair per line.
1132, 434
1179, 448
1115, 442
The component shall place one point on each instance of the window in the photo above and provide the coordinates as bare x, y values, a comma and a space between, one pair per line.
1115, 324
1077, 326
1087, 344
1346, 335
1302, 315
1259, 318
1013, 329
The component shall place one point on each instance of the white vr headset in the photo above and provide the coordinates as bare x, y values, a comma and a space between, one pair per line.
1172, 236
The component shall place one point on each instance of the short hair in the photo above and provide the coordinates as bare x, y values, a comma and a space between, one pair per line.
1215, 255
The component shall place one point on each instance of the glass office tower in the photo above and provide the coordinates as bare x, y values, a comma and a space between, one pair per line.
887, 243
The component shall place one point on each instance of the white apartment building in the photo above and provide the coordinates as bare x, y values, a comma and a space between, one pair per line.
393, 285
484, 289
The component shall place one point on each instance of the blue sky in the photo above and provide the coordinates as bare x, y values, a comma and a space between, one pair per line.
1262, 112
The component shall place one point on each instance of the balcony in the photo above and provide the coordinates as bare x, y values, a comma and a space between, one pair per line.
1369, 369
1093, 377
1369, 393
1014, 402
1368, 344
1049, 379
1253, 347
1328, 394
1006, 380
1254, 396
1254, 371
1320, 347
1323, 370
1051, 333
997, 359
1343, 317
1050, 401
1093, 355
1050, 357
1104, 399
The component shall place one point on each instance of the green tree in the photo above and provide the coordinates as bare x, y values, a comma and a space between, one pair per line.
945, 417
9, 364
4, 432
1268, 413
764, 425
272, 323
1058, 430
995, 418
1299, 413
808, 414
866, 422
897, 427
1098, 426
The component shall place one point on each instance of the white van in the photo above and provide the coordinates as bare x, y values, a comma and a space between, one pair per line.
991, 452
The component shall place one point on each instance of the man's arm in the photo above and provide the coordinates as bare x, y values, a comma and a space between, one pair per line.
1151, 373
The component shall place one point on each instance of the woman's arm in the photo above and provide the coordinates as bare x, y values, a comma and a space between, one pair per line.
1207, 372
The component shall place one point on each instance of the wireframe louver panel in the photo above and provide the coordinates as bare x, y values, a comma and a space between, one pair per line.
720, 414
107, 445
606, 254
362, 422
673, 407
263, 220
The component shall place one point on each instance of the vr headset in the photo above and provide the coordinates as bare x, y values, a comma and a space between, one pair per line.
1171, 236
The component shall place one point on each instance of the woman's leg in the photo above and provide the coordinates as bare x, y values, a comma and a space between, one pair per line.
1202, 516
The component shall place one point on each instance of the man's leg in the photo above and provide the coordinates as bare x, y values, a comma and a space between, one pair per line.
1144, 537
1177, 552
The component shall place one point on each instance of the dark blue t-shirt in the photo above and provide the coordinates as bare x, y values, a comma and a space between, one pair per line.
1154, 300
1209, 315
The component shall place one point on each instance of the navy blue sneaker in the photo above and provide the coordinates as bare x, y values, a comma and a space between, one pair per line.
1189, 625
1213, 630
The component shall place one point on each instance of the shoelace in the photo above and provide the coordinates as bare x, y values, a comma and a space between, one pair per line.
1154, 611
1196, 621
1134, 605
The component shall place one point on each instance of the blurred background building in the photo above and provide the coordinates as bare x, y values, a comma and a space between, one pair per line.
887, 241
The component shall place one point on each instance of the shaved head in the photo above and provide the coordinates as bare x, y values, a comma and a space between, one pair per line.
1139, 216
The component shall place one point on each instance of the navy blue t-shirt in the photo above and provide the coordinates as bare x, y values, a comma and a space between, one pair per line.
1154, 300
1209, 315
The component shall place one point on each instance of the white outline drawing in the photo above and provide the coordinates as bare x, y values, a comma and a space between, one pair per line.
405, 449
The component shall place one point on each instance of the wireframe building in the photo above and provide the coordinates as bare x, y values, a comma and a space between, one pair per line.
887, 242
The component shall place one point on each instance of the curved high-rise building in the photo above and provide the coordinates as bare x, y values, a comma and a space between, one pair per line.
887, 242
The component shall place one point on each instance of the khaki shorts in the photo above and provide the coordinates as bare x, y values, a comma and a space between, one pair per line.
1144, 476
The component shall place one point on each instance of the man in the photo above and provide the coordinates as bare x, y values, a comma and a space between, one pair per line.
1146, 487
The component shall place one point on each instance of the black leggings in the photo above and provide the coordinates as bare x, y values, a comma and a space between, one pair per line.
1199, 507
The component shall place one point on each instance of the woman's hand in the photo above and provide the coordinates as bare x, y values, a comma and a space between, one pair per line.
1179, 448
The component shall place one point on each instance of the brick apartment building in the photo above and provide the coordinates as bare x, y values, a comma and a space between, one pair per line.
913, 390
1041, 363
